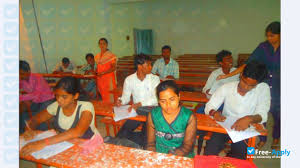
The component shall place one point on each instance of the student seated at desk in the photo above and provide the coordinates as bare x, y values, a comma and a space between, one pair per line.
72, 118
37, 94
171, 128
89, 69
141, 85
65, 66
223, 58
166, 67
248, 99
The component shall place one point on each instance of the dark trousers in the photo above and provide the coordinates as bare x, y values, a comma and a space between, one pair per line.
275, 111
35, 109
217, 143
127, 131
201, 134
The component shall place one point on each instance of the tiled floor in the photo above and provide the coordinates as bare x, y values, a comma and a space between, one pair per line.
261, 163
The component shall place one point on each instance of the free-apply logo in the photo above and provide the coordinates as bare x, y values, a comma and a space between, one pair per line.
250, 150
255, 153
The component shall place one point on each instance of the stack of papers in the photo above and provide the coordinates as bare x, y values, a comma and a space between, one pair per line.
237, 136
48, 151
122, 113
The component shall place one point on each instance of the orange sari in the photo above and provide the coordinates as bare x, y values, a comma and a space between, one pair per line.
106, 82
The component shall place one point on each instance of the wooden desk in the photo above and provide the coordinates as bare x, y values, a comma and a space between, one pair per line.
193, 96
204, 123
111, 156
65, 75
184, 95
191, 81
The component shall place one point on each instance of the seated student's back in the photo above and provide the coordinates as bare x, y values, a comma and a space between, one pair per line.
65, 66
223, 58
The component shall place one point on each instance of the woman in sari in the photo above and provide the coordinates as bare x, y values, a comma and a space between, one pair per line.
106, 67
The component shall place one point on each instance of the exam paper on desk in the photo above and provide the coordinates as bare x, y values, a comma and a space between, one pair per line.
237, 136
48, 151
121, 113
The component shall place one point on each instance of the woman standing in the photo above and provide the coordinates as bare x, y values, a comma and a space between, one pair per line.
106, 67
268, 52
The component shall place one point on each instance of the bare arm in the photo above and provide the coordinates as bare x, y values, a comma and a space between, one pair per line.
189, 138
78, 131
151, 144
235, 72
244, 122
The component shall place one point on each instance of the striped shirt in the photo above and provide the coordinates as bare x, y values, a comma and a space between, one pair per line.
164, 70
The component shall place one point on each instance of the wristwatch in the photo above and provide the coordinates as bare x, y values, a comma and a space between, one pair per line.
172, 151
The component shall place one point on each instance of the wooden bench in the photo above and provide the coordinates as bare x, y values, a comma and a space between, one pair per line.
242, 58
108, 121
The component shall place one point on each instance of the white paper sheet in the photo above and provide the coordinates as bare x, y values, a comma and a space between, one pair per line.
48, 151
237, 136
122, 113
52, 150
38, 137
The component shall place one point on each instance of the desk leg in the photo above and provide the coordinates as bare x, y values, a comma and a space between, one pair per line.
251, 143
38, 165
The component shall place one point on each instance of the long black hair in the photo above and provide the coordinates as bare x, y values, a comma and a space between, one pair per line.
273, 27
72, 86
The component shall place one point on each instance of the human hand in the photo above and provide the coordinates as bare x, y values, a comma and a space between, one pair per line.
207, 92
221, 77
134, 106
118, 103
170, 77
29, 134
242, 123
33, 147
219, 117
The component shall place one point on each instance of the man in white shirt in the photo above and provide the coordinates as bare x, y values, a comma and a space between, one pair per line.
166, 67
65, 66
142, 86
248, 100
224, 58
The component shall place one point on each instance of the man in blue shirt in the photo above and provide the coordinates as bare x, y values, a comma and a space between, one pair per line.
166, 67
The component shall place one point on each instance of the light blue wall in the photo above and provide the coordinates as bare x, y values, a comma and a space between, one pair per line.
71, 28
198, 26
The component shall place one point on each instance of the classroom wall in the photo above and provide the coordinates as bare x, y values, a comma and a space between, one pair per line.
195, 26
69, 28
72, 28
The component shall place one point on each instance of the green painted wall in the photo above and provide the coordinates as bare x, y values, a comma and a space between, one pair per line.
197, 26
72, 28
69, 28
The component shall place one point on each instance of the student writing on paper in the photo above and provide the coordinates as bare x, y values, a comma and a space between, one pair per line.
247, 99
141, 85
224, 58
171, 128
65, 66
72, 118
36, 94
